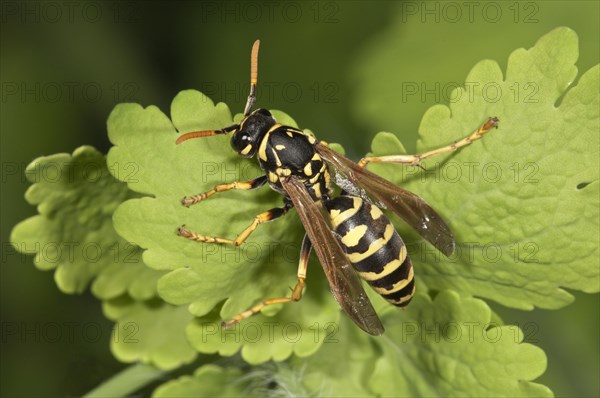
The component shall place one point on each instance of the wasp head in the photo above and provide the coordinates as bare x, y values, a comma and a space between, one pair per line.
253, 128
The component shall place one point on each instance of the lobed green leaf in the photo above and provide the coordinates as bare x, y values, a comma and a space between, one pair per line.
207, 381
73, 234
450, 346
523, 201
151, 332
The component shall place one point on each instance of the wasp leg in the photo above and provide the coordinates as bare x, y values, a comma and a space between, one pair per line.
242, 185
415, 160
264, 217
296, 291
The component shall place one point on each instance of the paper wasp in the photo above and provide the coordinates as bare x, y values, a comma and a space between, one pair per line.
350, 235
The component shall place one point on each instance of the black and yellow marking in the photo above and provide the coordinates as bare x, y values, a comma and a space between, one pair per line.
262, 149
285, 151
374, 248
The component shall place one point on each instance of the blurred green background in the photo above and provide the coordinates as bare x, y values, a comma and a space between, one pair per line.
335, 66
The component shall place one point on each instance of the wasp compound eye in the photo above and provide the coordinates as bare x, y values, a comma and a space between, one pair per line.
243, 144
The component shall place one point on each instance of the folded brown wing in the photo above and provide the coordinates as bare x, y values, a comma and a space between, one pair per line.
345, 285
408, 206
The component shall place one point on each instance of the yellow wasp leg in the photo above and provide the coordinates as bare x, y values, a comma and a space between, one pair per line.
296, 291
416, 159
264, 217
241, 185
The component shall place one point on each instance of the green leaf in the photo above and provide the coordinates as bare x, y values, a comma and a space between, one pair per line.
151, 332
134, 279
523, 201
449, 346
404, 68
207, 275
344, 364
207, 381
76, 196
272, 380
341, 368
299, 329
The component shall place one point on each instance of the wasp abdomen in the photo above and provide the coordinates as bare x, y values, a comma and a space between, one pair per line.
374, 248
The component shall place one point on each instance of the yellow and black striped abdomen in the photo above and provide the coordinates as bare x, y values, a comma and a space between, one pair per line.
374, 247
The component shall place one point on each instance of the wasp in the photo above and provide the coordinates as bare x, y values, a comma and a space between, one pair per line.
351, 236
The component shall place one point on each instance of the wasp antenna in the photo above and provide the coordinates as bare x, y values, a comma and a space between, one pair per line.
253, 77
254, 63
205, 133
196, 134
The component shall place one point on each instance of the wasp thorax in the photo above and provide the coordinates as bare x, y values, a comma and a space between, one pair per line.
247, 139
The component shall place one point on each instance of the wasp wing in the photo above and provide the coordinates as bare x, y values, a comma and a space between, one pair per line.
345, 285
410, 207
